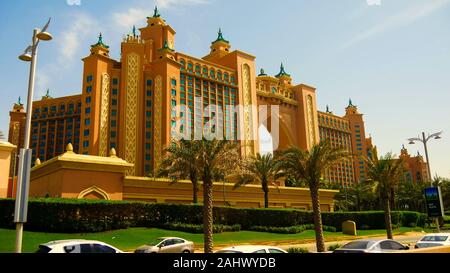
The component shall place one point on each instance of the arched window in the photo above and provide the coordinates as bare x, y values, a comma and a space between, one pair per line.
212, 73
183, 64
197, 69
190, 66
219, 75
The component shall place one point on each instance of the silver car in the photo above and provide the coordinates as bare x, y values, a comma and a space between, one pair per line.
167, 245
371, 246
77, 246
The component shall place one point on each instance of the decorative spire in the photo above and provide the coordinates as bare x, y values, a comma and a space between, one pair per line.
19, 102
69, 148
220, 37
262, 73
47, 94
282, 72
350, 102
166, 46
328, 110
134, 31
112, 153
100, 42
156, 13
403, 147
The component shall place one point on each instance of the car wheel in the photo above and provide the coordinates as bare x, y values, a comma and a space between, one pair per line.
186, 251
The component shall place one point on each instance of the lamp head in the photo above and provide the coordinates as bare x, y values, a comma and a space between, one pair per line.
44, 36
412, 142
437, 137
26, 57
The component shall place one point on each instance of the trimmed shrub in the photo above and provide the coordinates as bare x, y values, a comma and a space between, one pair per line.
78, 216
333, 247
289, 230
297, 250
192, 228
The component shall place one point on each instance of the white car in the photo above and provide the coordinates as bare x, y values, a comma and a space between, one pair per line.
77, 246
167, 245
433, 239
371, 246
251, 249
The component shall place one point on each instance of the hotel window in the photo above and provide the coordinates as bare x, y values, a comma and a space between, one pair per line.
219, 75
115, 91
87, 110
113, 134
232, 79
53, 108
148, 157
197, 69
174, 92
148, 146
113, 145
183, 64
212, 73
89, 78
113, 113
148, 124
149, 93
174, 82
86, 143
147, 168
190, 67
205, 70
114, 102
87, 122
149, 103
86, 132
113, 123
149, 82
225, 77
148, 113
89, 89
174, 103
88, 99
115, 81
148, 135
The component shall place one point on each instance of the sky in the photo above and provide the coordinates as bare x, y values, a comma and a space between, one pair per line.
391, 57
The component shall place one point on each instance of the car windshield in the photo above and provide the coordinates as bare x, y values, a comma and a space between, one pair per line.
155, 242
434, 238
359, 245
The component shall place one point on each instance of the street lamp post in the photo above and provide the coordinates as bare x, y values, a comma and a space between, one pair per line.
23, 181
425, 140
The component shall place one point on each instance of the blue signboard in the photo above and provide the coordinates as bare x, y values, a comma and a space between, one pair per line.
433, 199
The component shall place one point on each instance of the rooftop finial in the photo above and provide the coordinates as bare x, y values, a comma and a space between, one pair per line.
403, 146
262, 73
328, 109
282, 71
47, 94
220, 37
69, 148
19, 102
350, 102
156, 13
134, 31
100, 42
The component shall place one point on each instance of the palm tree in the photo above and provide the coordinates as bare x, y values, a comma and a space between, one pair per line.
264, 169
179, 164
386, 172
213, 159
309, 166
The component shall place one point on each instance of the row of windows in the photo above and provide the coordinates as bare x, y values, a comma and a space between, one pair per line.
207, 72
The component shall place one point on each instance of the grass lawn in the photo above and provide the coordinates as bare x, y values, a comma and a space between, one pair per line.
130, 239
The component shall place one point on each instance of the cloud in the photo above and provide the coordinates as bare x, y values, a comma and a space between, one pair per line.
82, 27
401, 19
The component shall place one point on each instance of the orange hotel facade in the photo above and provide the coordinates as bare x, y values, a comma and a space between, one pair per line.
135, 106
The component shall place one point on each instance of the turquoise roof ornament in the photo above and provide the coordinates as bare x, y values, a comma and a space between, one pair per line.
328, 110
134, 31
220, 37
282, 72
166, 46
350, 102
19, 101
156, 13
100, 42
262, 73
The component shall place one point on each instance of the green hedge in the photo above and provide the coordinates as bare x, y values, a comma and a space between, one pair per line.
76, 216
194, 228
289, 230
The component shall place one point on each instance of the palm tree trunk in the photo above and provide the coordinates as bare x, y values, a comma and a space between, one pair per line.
207, 215
266, 194
320, 241
387, 218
